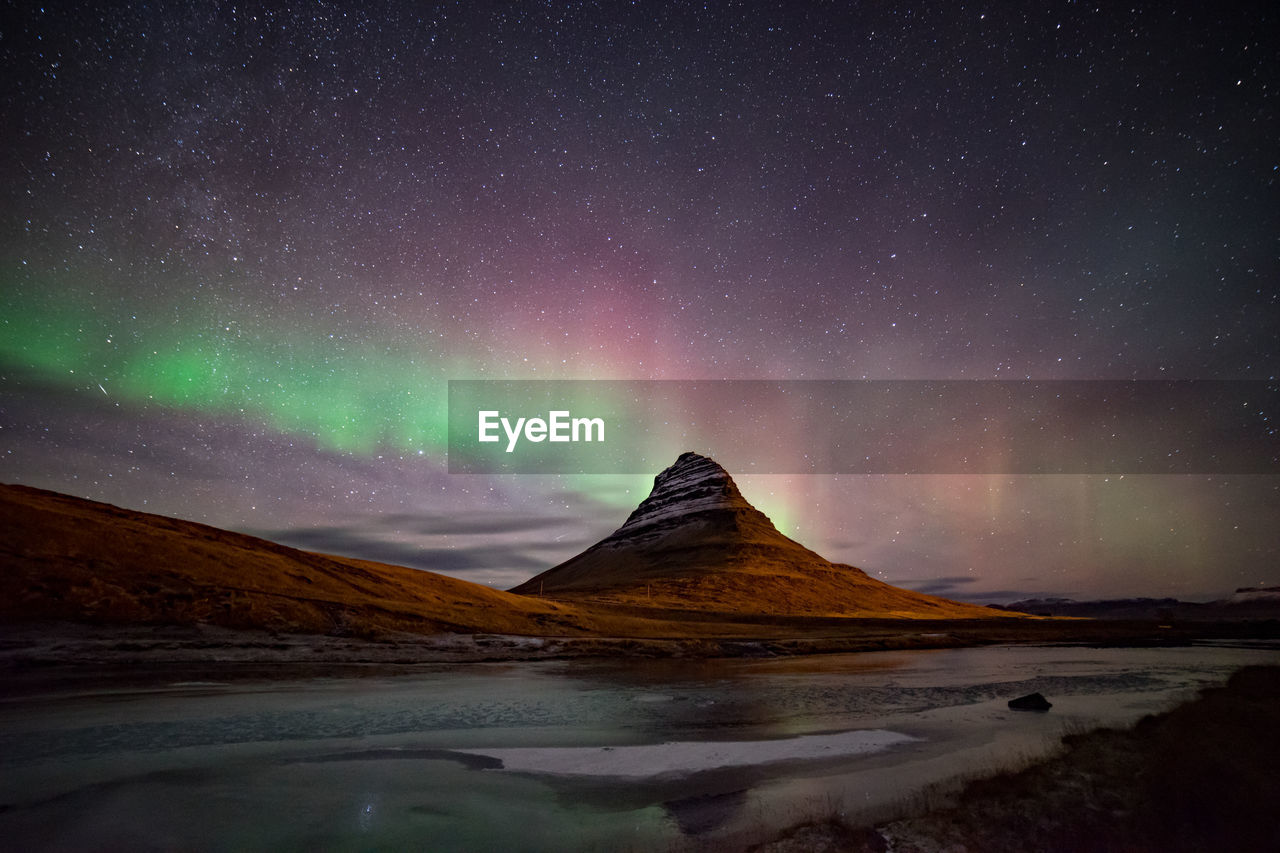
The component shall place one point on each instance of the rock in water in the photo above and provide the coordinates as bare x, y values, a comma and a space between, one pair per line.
1030, 702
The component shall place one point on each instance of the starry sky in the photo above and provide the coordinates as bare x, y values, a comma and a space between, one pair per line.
244, 247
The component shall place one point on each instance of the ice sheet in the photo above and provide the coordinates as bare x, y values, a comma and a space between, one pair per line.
690, 756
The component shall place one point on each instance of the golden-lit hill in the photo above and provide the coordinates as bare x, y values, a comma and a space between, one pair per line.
66, 558
696, 544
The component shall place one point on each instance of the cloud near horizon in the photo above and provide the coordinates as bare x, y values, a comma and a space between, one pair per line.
492, 550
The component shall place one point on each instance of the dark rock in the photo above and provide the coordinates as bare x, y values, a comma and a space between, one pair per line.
1030, 702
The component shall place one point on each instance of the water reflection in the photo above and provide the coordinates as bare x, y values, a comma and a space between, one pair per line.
700, 814
398, 762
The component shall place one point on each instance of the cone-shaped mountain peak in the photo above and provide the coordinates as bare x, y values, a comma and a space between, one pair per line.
693, 484
695, 543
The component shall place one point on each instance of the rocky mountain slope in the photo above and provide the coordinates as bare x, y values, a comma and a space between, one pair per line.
697, 544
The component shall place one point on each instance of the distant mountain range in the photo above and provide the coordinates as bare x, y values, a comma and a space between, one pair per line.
1244, 603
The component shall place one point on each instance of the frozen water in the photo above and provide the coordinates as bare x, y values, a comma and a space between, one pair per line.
500, 756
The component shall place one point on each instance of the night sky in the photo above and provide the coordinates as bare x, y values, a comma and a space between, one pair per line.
243, 248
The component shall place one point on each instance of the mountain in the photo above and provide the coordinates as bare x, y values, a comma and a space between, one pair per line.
69, 561
64, 558
1246, 604
697, 544
1143, 609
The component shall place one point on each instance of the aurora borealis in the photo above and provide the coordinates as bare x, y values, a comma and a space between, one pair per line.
245, 247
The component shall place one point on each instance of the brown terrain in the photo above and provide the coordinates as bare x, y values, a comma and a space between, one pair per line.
71, 559
78, 560
696, 570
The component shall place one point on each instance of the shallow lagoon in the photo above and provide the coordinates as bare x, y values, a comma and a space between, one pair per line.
551, 755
